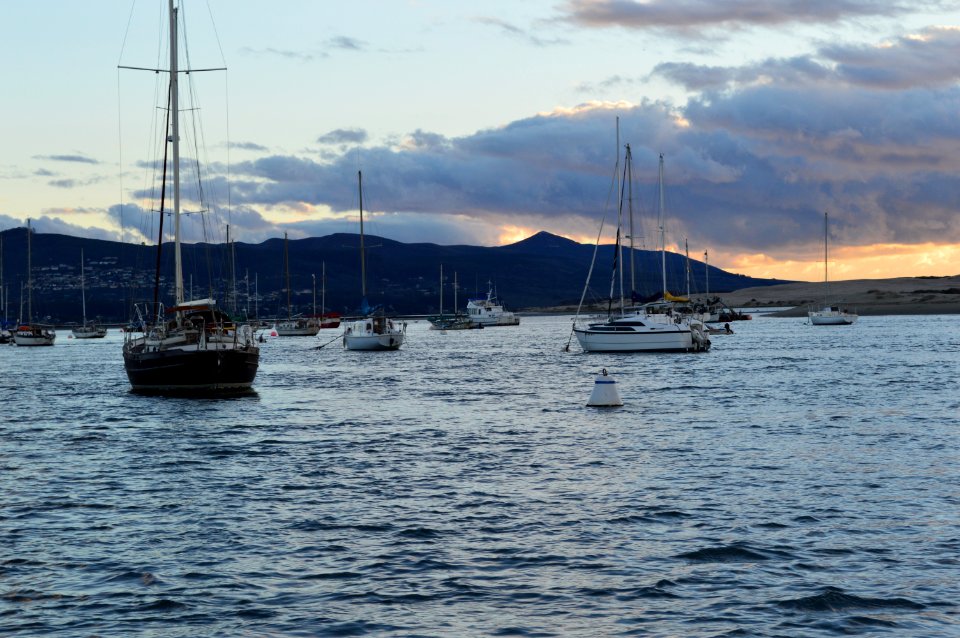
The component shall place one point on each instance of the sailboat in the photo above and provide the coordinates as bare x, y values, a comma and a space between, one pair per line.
89, 329
296, 326
829, 315
193, 347
455, 321
638, 330
374, 331
29, 333
328, 320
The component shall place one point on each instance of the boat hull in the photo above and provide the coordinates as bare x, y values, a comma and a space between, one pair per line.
831, 316
34, 336
298, 332
662, 341
373, 342
178, 370
845, 319
98, 333
297, 328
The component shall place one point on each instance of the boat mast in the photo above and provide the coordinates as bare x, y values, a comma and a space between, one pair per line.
175, 135
706, 272
663, 237
628, 170
83, 290
363, 262
323, 290
29, 277
455, 288
441, 291
314, 277
826, 280
286, 269
619, 218
686, 251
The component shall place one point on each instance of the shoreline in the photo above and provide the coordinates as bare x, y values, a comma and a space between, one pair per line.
866, 297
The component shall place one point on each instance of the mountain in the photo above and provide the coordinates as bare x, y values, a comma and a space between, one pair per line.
542, 270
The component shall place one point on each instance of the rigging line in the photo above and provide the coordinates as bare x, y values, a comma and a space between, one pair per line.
123, 45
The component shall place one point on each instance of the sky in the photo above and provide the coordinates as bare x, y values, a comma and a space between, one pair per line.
484, 122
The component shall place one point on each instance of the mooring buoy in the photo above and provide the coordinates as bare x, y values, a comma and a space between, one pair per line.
605, 393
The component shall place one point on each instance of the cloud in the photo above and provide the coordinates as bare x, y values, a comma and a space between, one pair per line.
289, 54
516, 32
249, 146
68, 183
343, 136
82, 159
928, 58
607, 84
345, 43
752, 160
693, 15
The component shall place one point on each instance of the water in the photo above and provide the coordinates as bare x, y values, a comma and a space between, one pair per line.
793, 481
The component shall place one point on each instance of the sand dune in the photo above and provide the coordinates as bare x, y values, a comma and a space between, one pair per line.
900, 296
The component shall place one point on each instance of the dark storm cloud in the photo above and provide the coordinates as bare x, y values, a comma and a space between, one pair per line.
686, 15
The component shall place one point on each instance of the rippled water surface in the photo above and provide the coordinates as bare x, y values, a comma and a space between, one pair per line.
795, 481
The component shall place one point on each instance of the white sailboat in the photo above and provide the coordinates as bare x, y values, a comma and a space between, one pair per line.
829, 315
373, 331
193, 347
89, 329
296, 326
29, 333
638, 329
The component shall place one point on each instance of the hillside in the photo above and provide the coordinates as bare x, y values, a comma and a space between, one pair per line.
542, 270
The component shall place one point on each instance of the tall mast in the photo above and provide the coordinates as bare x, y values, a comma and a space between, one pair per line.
441, 290
686, 251
363, 261
706, 271
628, 171
619, 218
286, 269
175, 135
314, 277
29, 277
83, 290
826, 280
233, 273
323, 289
455, 287
663, 236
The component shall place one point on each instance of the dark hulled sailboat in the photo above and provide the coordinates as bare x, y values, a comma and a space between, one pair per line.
192, 347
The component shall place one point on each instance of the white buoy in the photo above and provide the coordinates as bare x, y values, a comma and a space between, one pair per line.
605, 393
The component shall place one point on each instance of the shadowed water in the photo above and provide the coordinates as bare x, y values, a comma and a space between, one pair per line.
793, 481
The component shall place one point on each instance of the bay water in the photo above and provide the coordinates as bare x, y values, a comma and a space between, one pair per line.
794, 481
